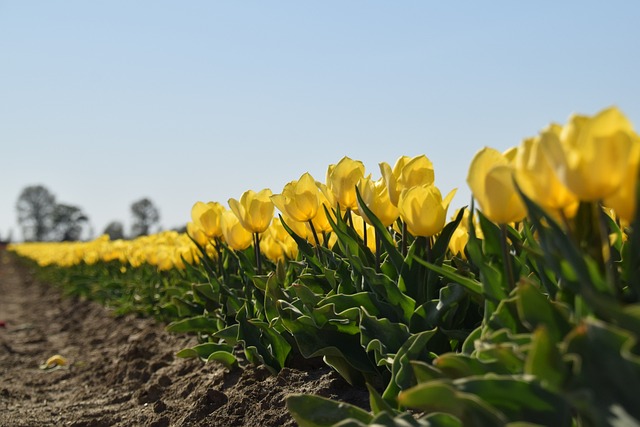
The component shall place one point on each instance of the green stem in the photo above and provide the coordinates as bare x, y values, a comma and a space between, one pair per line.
256, 246
422, 248
403, 245
349, 217
315, 237
605, 247
216, 246
506, 259
378, 250
364, 233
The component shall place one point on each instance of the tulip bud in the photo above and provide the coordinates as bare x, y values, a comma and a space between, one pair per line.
491, 181
299, 199
406, 173
197, 234
591, 154
325, 200
342, 179
207, 217
423, 209
276, 244
376, 198
236, 236
460, 236
254, 210
624, 200
538, 180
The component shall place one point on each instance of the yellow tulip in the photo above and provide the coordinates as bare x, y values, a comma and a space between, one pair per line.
406, 173
300, 228
207, 217
236, 236
359, 226
197, 209
277, 244
342, 179
376, 198
254, 210
460, 236
197, 234
623, 201
591, 154
538, 180
325, 199
423, 209
299, 199
491, 181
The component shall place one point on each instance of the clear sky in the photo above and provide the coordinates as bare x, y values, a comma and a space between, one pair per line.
108, 102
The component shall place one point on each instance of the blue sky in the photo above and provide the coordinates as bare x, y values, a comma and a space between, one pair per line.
108, 102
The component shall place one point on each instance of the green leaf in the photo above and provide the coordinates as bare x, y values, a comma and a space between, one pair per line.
440, 396
382, 336
473, 286
425, 371
327, 341
544, 360
184, 307
460, 365
388, 292
350, 243
402, 376
441, 245
469, 343
364, 300
205, 291
263, 345
224, 357
305, 248
377, 403
491, 237
606, 359
519, 399
316, 411
442, 420
535, 310
228, 334
211, 352
194, 324
203, 350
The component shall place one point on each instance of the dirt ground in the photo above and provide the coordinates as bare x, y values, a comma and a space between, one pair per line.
123, 371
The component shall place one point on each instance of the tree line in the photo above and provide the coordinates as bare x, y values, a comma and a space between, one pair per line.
42, 218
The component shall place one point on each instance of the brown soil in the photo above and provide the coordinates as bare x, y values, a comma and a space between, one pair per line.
123, 371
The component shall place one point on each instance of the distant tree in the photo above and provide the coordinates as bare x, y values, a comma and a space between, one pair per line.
115, 230
180, 229
68, 223
36, 206
145, 217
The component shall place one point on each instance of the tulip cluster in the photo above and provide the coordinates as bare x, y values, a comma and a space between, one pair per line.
309, 207
592, 159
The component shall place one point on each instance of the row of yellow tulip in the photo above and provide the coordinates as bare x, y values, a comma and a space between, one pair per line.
165, 250
588, 159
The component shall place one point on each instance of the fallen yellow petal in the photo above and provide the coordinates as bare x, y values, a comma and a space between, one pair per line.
54, 361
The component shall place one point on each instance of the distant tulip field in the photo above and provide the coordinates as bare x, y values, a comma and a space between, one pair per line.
520, 309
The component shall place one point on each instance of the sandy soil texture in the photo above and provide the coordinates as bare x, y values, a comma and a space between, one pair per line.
123, 371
